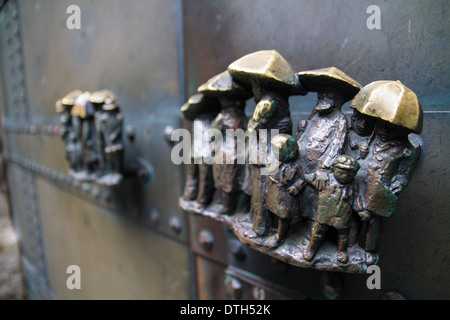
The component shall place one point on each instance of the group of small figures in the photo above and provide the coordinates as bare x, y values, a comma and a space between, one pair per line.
329, 173
91, 126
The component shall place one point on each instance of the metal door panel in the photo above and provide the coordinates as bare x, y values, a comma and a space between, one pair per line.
120, 46
118, 257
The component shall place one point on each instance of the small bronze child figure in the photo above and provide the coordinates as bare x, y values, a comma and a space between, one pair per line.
335, 208
284, 186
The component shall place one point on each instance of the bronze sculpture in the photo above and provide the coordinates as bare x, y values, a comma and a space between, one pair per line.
65, 106
391, 157
92, 132
322, 136
78, 114
335, 207
284, 186
109, 128
331, 174
272, 81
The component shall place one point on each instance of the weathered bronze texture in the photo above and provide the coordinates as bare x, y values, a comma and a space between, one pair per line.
331, 174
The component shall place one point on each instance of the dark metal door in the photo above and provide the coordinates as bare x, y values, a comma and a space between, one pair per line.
133, 241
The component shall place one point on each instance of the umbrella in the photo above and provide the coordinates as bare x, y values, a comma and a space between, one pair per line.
390, 101
198, 104
329, 79
223, 85
266, 68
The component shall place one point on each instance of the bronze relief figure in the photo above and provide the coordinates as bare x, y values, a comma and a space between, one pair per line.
92, 132
390, 156
200, 110
109, 129
65, 106
284, 186
272, 81
228, 174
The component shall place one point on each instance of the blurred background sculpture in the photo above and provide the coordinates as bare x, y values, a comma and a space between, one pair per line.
65, 106
109, 129
92, 132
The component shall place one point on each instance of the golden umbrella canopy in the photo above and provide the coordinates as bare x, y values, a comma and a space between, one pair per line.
329, 79
79, 108
268, 69
69, 99
198, 104
103, 96
391, 101
222, 85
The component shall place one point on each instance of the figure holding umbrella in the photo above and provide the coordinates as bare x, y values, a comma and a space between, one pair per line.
272, 81
322, 136
391, 156
201, 110
228, 173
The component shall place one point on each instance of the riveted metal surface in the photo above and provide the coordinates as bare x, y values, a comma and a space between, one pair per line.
122, 47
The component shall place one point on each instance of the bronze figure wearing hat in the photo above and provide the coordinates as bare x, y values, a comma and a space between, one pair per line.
109, 129
228, 173
284, 186
65, 106
322, 136
391, 157
272, 81
200, 110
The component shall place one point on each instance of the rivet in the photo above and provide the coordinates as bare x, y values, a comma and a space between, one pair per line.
175, 224
130, 132
206, 239
237, 250
154, 217
233, 287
